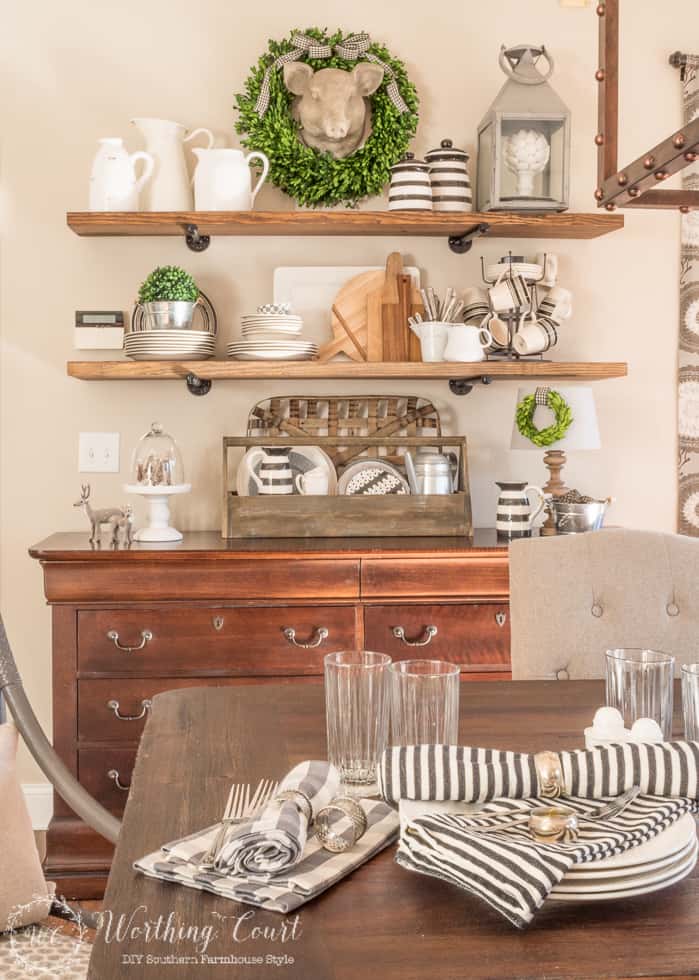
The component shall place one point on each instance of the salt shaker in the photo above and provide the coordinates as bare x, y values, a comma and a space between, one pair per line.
410, 188
451, 185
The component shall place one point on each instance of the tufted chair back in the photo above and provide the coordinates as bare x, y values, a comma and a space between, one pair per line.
575, 596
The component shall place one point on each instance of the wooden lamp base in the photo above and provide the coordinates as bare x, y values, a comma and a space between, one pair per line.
554, 460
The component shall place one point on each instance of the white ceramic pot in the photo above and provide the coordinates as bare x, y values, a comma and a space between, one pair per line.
170, 189
465, 343
222, 180
113, 182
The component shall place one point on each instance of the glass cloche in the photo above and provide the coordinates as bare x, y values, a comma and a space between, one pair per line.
157, 461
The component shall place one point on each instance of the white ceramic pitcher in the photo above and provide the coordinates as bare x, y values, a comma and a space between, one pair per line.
170, 188
113, 182
222, 179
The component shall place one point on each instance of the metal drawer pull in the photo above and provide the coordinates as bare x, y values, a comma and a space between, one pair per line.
427, 634
146, 705
217, 622
114, 774
320, 633
500, 618
146, 637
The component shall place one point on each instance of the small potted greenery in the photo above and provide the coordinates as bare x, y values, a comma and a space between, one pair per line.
169, 295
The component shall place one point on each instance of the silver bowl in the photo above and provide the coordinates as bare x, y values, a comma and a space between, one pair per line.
577, 518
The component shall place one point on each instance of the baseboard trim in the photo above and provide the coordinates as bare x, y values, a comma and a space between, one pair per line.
39, 797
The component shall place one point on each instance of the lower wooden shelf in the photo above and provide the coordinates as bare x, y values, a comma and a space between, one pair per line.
215, 370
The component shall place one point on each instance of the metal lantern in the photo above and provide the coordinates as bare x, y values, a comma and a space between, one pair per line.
524, 139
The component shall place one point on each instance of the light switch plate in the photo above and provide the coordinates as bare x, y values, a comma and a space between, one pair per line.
98, 452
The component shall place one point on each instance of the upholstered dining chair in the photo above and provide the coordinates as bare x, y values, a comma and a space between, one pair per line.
575, 596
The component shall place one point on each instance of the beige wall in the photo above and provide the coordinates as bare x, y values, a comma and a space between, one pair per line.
77, 70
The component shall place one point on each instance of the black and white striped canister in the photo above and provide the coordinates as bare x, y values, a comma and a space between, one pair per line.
451, 184
410, 188
514, 513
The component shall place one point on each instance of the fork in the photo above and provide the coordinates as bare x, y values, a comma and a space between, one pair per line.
239, 808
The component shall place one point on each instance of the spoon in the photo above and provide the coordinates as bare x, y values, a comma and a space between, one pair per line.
556, 822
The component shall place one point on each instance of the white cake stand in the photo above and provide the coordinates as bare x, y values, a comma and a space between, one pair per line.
158, 527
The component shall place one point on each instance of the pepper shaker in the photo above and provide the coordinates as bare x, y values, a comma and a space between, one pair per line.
451, 185
410, 188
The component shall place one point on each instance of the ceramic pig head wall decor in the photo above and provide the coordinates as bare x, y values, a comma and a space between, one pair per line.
332, 105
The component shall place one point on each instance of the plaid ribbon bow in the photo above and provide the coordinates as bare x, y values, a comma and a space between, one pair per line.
352, 48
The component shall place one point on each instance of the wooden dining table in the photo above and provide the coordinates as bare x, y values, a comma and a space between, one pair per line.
381, 922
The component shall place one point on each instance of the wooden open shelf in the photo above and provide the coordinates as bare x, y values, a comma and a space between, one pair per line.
343, 370
374, 223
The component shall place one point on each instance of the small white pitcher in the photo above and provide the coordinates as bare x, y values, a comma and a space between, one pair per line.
113, 182
222, 180
466, 343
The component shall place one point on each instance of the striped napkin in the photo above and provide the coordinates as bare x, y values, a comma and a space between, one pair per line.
275, 840
451, 772
316, 870
507, 869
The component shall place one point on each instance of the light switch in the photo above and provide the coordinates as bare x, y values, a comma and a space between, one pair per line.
98, 452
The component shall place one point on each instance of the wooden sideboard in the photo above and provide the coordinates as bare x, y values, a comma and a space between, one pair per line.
128, 624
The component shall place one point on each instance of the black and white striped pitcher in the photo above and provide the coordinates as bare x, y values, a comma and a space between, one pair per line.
274, 475
451, 185
515, 517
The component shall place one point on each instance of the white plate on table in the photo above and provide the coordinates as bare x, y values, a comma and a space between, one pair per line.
301, 460
640, 885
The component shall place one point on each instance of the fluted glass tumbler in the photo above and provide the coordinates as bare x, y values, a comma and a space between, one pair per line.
639, 685
424, 702
690, 701
356, 714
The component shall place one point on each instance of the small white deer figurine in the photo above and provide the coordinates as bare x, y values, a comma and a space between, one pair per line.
97, 517
123, 523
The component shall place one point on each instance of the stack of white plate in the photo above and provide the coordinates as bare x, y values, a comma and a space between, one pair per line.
660, 862
170, 345
272, 337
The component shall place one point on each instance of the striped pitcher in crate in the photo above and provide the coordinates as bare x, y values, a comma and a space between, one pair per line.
451, 185
515, 517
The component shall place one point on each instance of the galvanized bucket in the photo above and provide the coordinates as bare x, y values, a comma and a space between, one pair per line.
169, 315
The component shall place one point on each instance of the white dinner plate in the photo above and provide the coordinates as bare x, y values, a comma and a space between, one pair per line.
642, 887
273, 357
584, 877
668, 841
633, 879
354, 470
301, 460
168, 346
163, 356
528, 270
264, 329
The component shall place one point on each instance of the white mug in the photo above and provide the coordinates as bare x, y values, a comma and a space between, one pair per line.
467, 343
534, 336
313, 483
509, 293
549, 262
432, 335
557, 303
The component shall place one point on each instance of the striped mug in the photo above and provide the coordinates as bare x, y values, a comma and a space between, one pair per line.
515, 517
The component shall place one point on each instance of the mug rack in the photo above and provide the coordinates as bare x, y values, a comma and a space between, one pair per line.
513, 317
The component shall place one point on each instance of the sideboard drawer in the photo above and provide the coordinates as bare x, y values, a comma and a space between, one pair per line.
99, 770
438, 577
477, 636
193, 640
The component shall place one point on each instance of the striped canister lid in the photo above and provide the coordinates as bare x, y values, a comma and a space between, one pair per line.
410, 188
451, 185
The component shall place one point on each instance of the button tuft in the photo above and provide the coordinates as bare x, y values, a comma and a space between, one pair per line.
596, 610
672, 609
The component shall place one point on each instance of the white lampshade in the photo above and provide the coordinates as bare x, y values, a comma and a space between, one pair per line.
583, 432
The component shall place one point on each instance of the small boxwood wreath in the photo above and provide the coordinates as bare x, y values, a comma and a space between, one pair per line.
312, 178
544, 437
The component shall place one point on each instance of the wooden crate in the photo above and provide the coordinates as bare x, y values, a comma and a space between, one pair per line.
300, 516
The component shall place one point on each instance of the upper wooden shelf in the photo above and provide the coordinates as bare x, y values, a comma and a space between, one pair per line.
375, 223
343, 370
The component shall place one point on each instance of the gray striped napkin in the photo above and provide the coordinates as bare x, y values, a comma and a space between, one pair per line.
316, 871
275, 840
451, 772
510, 871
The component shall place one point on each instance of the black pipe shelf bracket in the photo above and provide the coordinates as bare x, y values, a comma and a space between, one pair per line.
197, 385
464, 386
195, 241
463, 243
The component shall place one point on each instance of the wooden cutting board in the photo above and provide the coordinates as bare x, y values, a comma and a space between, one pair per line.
351, 302
395, 310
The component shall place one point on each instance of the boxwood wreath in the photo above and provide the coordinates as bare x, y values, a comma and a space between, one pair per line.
312, 178
544, 437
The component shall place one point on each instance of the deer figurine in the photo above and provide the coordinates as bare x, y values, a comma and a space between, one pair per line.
123, 523
97, 517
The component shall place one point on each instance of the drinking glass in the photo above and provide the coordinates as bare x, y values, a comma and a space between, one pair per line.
690, 701
639, 685
356, 714
424, 702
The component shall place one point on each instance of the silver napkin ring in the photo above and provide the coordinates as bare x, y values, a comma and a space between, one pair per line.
549, 772
324, 824
297, 797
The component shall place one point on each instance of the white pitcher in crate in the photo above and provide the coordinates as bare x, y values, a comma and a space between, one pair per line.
515, 515
451, 184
